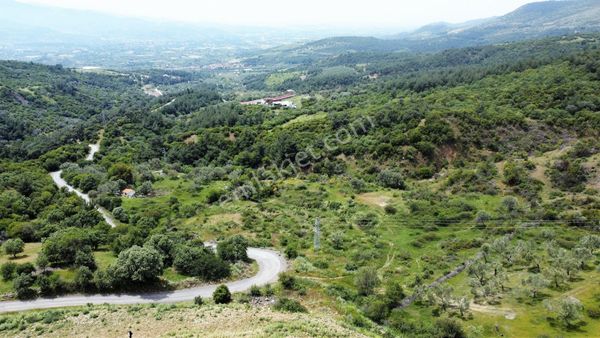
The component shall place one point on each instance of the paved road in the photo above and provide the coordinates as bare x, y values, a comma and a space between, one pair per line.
270, 264
61, 183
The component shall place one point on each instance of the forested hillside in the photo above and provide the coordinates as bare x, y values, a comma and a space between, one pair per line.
478, 164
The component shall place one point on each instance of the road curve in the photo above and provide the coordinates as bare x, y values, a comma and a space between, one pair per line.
270, 264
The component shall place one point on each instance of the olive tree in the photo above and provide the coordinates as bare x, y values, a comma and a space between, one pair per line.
137, 265
14, 247
569, 310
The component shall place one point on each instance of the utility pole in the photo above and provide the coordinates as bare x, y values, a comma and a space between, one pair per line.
317, 231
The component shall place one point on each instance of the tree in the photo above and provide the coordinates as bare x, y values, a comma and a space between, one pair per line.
391, 179
556, 274
482, 218
84, 278
584, 250
200, 262
480, 271
62, 246
137, 265
442, 296
8, 270
22, 285
42, 262
121, 171
366, 280
569, 310
463, 304
164, 245
85, 257
486, 250
534, 283
14, 246
222, 295
146, 189
503, 248
233, 249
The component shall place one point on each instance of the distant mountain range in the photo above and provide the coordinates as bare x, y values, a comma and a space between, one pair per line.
79, 38
531, 21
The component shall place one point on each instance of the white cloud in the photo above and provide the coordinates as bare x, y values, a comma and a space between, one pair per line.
351, 13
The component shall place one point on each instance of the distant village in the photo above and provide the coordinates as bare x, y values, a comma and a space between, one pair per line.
277, 101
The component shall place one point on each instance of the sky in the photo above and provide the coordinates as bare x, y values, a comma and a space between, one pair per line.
279, 13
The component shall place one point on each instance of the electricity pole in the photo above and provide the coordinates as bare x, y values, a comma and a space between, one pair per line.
317, 231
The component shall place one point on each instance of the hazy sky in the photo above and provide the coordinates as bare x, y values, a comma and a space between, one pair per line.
349, 13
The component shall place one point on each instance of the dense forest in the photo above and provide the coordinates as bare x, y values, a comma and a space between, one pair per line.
413, 165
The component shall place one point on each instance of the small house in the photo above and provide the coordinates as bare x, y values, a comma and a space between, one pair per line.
129, 193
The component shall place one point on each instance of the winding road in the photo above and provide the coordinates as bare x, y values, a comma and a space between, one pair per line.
270, 264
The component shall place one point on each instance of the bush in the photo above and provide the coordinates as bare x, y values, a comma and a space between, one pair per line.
222, 295
25, 268
367, 221
255, 291
50, 285
289, 305
287, 281
366, 280
200, 262
198, 300
376, 309
8, 270
391, 179
291, 253
594, 313
390, 209
448, 328
233, 249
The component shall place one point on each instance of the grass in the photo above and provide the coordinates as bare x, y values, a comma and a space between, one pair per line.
182, 320
29, 254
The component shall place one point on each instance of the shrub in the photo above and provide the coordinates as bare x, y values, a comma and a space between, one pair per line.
390, 209
287, 281
366, 280
367, 221
289, 305
594, 313
25, 268
198, 300
222, 295
376, 309
448, 328
391, 179
291, 253
255, 291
